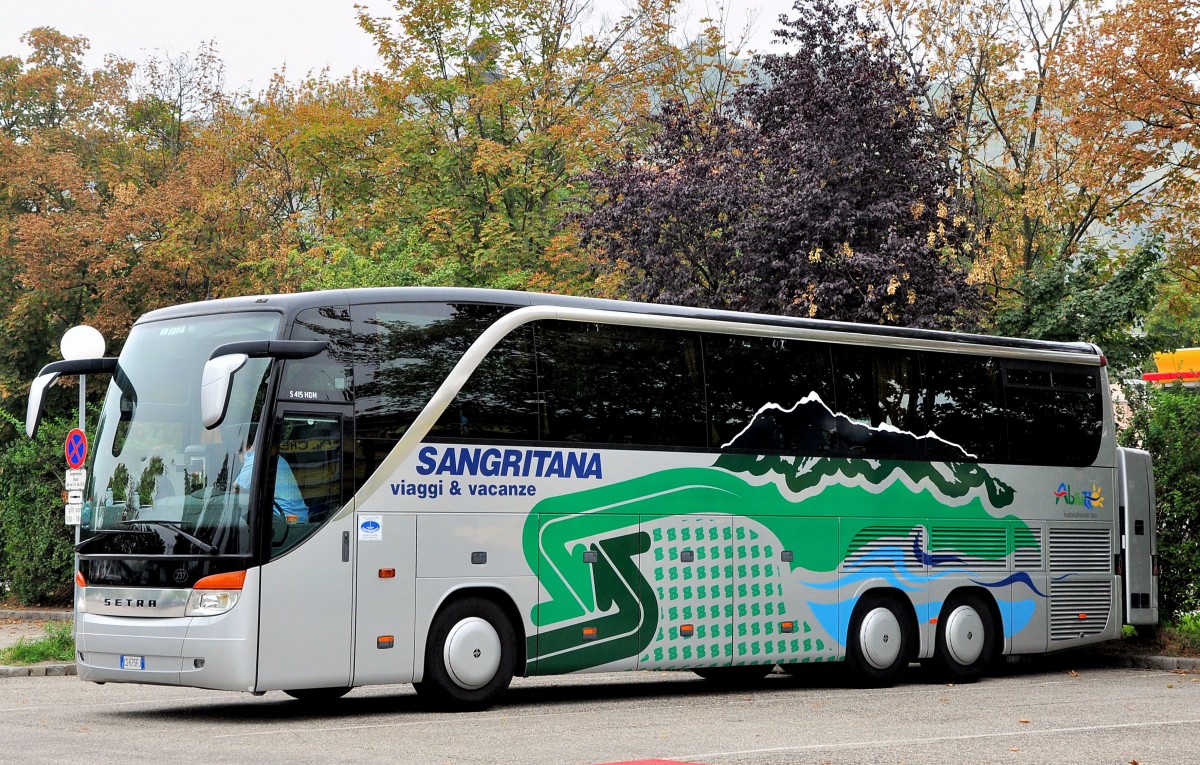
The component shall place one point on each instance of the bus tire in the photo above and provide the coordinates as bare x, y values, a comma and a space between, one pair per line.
879, 642
314, 695
469, 657
966, 638
735, 677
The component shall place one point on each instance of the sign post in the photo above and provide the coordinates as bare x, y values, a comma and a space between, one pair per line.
75, 450
81, 342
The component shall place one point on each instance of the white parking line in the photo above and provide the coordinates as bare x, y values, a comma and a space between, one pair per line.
936, 739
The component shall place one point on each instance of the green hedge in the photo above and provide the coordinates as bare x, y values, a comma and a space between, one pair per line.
1168, 425
38, 561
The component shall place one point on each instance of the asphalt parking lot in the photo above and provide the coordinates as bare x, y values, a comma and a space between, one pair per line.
1048, 712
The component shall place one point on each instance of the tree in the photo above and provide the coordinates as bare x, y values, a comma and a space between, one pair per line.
1074, 138
496, 113
1096, 300
822, 192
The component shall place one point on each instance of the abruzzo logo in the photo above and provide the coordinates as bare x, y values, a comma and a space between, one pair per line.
1091, 500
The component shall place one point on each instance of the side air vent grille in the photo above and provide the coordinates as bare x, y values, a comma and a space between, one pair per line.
982, 549
1028, 555
1079, 609
1080, 551
887, 546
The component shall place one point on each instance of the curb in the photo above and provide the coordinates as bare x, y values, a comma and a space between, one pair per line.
1164, 663
39, 670
56, 616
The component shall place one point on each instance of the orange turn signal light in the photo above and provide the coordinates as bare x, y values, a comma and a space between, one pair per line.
385, 641
230, 580
79, 579
387, 573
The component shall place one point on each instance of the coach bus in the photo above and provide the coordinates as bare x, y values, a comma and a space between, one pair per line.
464, 485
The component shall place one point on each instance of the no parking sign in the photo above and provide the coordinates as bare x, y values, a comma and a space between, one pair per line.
75, 449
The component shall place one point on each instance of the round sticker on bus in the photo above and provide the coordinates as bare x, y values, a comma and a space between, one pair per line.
370, 528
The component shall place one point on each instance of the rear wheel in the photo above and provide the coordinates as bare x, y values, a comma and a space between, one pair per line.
878, 645
966, 638
470, 656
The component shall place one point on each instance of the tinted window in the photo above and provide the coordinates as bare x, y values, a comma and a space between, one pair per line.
403, 353
878, 394
769, 395
1055, 413
499, 401
964, 406
324, 377
603, 384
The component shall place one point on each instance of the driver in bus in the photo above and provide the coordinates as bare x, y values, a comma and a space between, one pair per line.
288, 501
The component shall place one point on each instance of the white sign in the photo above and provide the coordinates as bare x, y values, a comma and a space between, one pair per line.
75, 498
76, 479
370, 528
72, 514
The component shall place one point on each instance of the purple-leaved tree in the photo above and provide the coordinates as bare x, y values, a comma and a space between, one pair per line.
821, 191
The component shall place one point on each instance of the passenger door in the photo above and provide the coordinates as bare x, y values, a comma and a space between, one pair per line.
305, 614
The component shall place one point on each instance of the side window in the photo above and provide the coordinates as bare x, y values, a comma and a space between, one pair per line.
878, 393
403, 352
324, 377
306, 476
499, 401
964, 408
769, 395
604, 384
1054, 413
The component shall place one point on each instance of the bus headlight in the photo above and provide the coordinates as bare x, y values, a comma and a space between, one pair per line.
211, 602
215, 594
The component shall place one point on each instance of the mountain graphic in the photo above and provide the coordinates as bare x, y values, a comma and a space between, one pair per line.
810, 426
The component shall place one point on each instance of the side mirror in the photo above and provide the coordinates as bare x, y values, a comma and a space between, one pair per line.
216, 385
50, 373
37, 401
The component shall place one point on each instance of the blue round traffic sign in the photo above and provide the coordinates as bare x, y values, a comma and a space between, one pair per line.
75, 449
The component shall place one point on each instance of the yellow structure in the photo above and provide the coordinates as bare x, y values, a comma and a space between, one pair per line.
1182, 365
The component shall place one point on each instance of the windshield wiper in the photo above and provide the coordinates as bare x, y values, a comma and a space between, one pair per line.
101, 533
200, 543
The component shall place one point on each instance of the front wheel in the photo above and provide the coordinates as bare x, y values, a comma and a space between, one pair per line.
470, 656
966, 638
878, 645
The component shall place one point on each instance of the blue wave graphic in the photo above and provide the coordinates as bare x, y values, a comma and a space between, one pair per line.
929, 559
1021, 613
1018, 578
909, 582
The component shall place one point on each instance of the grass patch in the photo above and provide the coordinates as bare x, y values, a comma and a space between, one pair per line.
56, 644
1179, 637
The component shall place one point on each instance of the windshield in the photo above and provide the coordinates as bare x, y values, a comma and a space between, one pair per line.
160, 483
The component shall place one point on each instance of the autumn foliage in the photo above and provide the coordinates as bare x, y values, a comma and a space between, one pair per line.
862, 169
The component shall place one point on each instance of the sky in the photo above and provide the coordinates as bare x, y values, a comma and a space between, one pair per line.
256, 38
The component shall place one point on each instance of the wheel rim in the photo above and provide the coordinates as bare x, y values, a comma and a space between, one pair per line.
472, 653
964, 635
879, 637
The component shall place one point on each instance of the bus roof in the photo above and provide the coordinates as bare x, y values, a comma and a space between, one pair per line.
291, 303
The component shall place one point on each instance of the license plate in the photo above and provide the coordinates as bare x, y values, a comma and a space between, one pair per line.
133, 662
